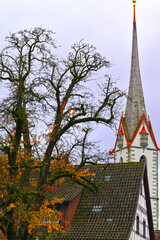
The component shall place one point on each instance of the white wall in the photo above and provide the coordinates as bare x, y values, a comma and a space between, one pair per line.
142, 213
133, 154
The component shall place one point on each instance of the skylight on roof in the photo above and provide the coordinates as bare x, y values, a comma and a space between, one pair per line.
109, 219
107, 178
92, 179
97, 208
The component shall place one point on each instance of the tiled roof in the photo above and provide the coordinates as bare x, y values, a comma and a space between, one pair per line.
109, 213
68, 190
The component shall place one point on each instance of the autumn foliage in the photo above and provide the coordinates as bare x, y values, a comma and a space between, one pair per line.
46, 115
20, 200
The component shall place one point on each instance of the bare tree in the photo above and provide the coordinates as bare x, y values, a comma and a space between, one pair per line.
43, 91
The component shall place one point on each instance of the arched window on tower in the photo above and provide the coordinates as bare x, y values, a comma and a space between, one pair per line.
121, 160
142, 158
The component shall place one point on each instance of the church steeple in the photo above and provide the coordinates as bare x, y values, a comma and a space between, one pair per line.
135, 100
135, 138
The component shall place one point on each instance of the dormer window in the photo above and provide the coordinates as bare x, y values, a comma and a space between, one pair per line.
143, 137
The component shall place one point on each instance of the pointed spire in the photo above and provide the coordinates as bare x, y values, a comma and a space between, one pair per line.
134, 14
135, 100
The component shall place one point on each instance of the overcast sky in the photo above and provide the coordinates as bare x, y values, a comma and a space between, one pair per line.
107, 24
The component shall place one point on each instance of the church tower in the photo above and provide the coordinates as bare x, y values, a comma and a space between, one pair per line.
135, 139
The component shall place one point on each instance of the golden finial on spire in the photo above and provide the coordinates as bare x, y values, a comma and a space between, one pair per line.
134, 14
134, 2
122, 113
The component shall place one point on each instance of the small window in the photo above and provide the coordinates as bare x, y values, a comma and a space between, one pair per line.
137, 224
97, 208
142, 158
144, 228
120, 137
121, 159
58, 209
107, 178
45, 220
109, 219
141, 190
92, 178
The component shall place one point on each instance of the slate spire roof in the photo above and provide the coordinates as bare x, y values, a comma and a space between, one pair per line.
135, 113
135, 100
